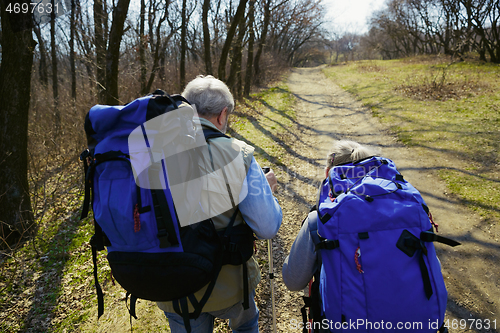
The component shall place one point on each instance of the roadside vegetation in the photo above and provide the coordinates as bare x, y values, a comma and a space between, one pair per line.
264, 121
451, 110
48, 285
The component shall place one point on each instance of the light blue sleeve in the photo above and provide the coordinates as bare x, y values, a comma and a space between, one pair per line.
260, 209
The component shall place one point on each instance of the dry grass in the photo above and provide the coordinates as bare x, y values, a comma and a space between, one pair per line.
369, 67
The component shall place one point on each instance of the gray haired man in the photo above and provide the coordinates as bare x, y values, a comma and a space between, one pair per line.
258, 208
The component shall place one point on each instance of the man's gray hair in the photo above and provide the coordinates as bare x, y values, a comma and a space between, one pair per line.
210, 95
345, 151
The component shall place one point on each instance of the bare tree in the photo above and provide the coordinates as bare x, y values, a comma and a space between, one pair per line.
16, 217
183, 45
240, 13
72, 49
55, 82
483, 17
251, 37
44, 76
206, 38
440, 26
262, 41
155, 36
113, 53
293, 24
142, 45
94, 43
100, 17
234, 79
85, 41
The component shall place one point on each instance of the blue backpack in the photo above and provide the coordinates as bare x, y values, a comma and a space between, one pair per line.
150, 254
379, 270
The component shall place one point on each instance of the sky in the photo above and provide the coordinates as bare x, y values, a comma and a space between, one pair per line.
350, 15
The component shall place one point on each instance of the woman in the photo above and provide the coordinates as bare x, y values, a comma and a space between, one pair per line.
375, 212
302, 262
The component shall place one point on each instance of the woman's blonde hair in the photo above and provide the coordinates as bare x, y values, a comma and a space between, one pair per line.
345, 151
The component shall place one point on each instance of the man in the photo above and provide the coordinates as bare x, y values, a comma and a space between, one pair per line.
259, 209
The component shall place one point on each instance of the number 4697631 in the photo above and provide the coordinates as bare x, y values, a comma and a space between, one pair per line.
41, 8
471, 324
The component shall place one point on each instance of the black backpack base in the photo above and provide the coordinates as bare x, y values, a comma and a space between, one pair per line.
141, 273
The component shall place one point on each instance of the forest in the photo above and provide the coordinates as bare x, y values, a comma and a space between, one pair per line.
61, 57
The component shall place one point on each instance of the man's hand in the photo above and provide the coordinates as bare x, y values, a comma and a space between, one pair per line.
271, 179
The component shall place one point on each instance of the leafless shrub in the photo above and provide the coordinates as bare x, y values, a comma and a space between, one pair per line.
438, 86
369, 68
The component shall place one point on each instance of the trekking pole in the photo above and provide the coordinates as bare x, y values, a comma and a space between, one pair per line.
271, 279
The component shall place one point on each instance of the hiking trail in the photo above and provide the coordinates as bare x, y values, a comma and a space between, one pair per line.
326, 113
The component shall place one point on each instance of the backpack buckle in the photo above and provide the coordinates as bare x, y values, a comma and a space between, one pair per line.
327, 244
97, 243
84, 154
233, 247
163, 237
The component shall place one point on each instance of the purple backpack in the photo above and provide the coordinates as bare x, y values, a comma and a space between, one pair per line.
151, 254
379, 272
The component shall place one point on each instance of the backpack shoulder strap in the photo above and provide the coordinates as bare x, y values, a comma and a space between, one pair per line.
212, 134
313, 302
313, 226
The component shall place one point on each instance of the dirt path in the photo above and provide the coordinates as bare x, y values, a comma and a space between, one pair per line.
325, 113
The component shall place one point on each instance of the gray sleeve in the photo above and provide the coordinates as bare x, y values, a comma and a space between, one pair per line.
301, 263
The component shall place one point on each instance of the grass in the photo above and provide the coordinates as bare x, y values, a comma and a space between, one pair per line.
452, 110
263, 121
48, 284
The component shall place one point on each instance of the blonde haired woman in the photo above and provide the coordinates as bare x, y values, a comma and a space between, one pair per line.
302, 262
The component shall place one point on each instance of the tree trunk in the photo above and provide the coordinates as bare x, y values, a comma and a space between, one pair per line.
55, 83
216, 22
251, 37
113, 53
240, 12
482, 51
16, 217
100, 49
142, 44
262, 42
183, 46
206, 38
72, 50
44, 76
155, 47
495, 30
161, 71
234, 79
239, 60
